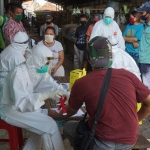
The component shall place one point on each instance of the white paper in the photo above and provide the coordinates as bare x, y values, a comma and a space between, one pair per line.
65, 86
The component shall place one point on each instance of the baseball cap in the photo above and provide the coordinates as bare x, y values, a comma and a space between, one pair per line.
100, 52
48, 16
144, 7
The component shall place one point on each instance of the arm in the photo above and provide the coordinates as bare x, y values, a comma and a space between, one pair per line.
96, 31
60, 61
41, 31
23, 100
87, 39
56, 30
56, 115
130, 39
145, 109
121, 42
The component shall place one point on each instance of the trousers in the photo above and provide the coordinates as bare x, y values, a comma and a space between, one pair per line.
78, 58
39, 138
69, 131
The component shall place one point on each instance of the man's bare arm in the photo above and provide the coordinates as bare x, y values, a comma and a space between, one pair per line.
145, 109
56, 115
130, 39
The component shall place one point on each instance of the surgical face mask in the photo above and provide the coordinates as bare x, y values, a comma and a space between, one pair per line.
49, 38
44, 69
83, 23
144, 18
131, 21
48, 22
108, 21
19, 17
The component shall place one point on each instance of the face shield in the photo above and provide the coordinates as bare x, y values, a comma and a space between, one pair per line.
39, 58
20, 42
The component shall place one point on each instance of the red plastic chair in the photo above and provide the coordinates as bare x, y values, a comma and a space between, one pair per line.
15, 136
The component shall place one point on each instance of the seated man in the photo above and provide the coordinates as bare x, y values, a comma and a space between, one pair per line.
20, 106
117, 127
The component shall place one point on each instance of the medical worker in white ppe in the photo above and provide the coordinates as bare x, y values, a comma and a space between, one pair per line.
122, 59
108, 27
41, 79
20, 105
13, 55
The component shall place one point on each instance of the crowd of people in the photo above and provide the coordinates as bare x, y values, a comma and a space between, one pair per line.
26, 78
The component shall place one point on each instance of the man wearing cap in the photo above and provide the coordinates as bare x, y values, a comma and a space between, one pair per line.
88, 33
117, 127
144, 52
48, 23
108, 27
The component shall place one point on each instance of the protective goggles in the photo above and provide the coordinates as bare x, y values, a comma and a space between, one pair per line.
23, 42
50, 58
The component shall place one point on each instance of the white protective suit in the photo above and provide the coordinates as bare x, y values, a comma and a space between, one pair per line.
41, 82
20, 106
122, 59
101, 29
12, 55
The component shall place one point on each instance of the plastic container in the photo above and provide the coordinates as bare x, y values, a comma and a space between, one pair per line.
76, 74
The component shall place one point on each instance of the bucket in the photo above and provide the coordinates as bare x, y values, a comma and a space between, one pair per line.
114, 5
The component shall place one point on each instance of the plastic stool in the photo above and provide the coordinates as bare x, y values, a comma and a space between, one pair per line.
15, 136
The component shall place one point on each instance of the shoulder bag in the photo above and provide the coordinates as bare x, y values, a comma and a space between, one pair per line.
84, 137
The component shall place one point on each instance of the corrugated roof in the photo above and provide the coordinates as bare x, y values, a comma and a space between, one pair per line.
48, 6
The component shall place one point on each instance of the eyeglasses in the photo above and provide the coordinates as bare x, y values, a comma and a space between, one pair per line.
23, 42
50, 58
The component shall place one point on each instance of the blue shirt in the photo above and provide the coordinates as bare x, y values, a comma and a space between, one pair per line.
144, 52
133, 31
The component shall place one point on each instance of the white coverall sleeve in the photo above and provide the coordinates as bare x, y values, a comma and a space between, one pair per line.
124, 61
48, 84
96, 31
23, 101
121, 42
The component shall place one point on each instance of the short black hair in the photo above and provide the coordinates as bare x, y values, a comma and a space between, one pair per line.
50, 28
8, 7
14, 6
133, 13
83, 16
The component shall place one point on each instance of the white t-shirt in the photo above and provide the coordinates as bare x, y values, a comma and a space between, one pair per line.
55, 48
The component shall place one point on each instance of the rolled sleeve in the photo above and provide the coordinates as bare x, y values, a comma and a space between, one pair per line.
75, 102
142, 92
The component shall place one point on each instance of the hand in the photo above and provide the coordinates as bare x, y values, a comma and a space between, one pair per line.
52, 95
54, 69
136, 45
